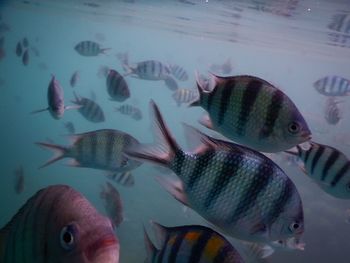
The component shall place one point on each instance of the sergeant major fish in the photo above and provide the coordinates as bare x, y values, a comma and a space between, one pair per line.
100, 149
90, 110
184, 96
130, 110
252, 112
112, 203
89, 48
125, 179
333, 86
58, 224
179, 72
332, 112
237, 189
117, 87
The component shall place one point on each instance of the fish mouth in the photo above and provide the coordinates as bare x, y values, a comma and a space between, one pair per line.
306, 135
95, 250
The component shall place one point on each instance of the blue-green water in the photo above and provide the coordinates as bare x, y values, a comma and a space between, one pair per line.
289, 51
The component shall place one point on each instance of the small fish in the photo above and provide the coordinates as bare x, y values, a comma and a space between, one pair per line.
25, 42
55, 100
125, 179
74, 78
328, 167
117, 87
89, 48
100, 149
171, 83
254, 113
91, 4
19, 50
148, 70
69, 127
185, 96
225, 68
90, 110
112, 204
333, 86
58, 224
128, 109
340, 23
332, 112
235, 188
137, 115
19, 179
25, 57
178, 72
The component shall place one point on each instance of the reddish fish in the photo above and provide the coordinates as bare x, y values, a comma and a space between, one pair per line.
112, 203
58, 224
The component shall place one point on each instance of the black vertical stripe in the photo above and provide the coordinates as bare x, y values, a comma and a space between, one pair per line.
198, 247
211, 97
329, 163
223, 253
340, 174
162, 251
153, 67
272, 114
93, 142
316, 157
111, 140
307, 154
249, 97
226, 93
176, 246
202, 162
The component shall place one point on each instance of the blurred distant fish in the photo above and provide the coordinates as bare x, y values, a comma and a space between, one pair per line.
55, 100
328, 167
340, 23
171, 83
19, 179
100, 149
117, 87
184, 96
89, 48
179, 72
74, 78
19, 50
90, 110
112, 204
332, 111
25, 42
69, 127
130, 110
103, 72
125, 179
25, 57
148, 70
91, 4
225, 68
58, 224
333, 86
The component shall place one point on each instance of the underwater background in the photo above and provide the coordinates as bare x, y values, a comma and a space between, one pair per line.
288, 43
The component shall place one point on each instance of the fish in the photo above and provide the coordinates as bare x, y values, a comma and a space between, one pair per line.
112, 203
333, 86
137, 115
55, 100
235, 188
225, 68
171, 83
103, 71
254, 113
117, 87
340, 23
129, 110
89, 48
100, 149
327, 166
191, 243
178, 72
125, 179
148, 70
19, 50
19, 179
332, 113
74, 78
25, 42
184, 96
25, 57
69, 127
58, 224
90, 110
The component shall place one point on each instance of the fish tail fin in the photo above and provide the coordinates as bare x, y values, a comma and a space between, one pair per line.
165, 147
37, 111
201, 92
150, 247
60, 152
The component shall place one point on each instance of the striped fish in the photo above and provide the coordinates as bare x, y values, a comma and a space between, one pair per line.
90, 110
340, 23
19, 50
58, 224
184, 96
328, 167
89, 48
125, 179
190, 244
237, 189
178, 72
332, 112
333, 86
252, 112
117, 87
148, 70
130, 110
100, 149
171, 83
112, 204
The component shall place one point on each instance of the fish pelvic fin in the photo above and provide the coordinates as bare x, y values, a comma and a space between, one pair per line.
175, 188
165, 147
151, 250
41, 110
59, 151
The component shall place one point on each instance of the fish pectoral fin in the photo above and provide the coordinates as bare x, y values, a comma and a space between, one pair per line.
175, 188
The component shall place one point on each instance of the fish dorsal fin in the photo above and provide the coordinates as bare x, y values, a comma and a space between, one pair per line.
161, 232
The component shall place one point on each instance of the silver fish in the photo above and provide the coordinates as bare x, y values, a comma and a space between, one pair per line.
178, 72
58, 224
112, 203
100, 149
89, 48
117, 87
148, 70
333, 86
184, 96
90, 110
252, 112
237, 189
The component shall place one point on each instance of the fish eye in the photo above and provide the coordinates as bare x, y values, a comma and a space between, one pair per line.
293, 127
294, 226
67, 237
